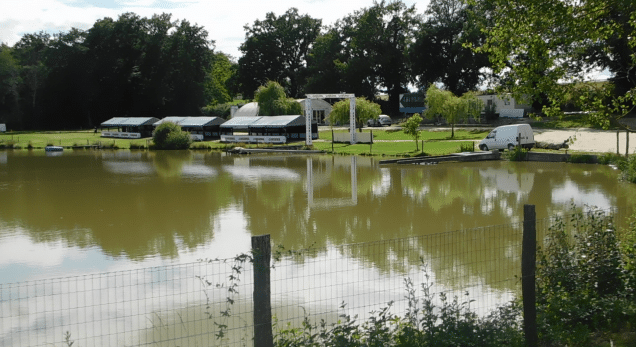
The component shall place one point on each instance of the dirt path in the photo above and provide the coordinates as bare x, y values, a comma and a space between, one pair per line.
588, 140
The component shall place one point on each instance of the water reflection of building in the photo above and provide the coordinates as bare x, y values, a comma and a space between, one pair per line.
245, 171
332, 202
507, 180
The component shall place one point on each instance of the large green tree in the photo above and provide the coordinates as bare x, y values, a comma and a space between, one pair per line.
218, 84
545, 48
276, 49
9, 87
366, 51
441, 51
147, 67
29, 53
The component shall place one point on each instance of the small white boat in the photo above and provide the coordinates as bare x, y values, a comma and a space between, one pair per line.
53, 148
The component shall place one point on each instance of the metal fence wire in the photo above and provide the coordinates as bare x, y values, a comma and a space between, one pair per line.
210, 302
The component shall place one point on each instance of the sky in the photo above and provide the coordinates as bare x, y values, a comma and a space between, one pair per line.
224, 20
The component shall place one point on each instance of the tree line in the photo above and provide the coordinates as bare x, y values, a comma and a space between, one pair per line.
159, 67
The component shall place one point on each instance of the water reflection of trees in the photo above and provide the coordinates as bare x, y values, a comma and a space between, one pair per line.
139, 204
76, 200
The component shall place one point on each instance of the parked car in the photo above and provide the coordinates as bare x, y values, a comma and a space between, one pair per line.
508, 137
382, 120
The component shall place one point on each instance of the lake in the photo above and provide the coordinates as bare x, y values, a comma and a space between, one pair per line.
82, 211
121, 232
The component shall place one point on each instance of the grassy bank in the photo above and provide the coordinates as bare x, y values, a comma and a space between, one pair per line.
388, 142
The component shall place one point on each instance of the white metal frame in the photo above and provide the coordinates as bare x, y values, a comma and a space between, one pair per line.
309, 114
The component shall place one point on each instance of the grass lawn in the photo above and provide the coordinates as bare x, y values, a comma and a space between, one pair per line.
398, 149
565, 122
426, 135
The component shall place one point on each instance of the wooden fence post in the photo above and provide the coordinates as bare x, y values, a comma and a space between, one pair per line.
528, 266
262, 253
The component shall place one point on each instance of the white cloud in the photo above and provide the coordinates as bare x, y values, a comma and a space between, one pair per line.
224, 20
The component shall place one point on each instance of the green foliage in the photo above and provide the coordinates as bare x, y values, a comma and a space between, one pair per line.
581, 158
560, 41
365, 110
412, 128
583, 282
517, 154
467, 147
276, 49
272, 101
446, 105
628, 169
169, 135
220, 110
451, 324
218, 82
364, 51
441, 49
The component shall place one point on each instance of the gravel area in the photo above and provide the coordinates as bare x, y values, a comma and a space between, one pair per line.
587, 140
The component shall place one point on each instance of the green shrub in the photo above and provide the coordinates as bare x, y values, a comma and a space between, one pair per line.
201, 145
169, 135
467, 147
628, 169
610, 158
581, 158
134, 145
517, 154
583, 285
424, 324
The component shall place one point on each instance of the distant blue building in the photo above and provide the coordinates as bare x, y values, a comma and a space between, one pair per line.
412, 103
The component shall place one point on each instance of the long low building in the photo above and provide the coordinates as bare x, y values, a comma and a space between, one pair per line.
128, 127
266, 129
203, 128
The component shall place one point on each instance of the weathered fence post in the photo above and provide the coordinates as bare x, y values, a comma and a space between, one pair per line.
617, 142
528, 266
262, 253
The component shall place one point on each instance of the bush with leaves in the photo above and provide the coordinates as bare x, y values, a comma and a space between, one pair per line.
412, 128
169, 135
628, 169
272, 101
452, 324
583, 284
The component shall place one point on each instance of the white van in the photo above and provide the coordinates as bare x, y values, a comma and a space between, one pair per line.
382, 120
508, 137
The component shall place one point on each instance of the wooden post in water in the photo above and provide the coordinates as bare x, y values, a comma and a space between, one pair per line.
262, 253
626, 143
617, 143
528, 267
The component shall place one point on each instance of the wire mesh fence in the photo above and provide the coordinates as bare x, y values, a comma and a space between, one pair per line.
210, 302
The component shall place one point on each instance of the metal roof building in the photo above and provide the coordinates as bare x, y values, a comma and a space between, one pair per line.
208, 127
238, 124
128, 122
292, 127
141, 126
